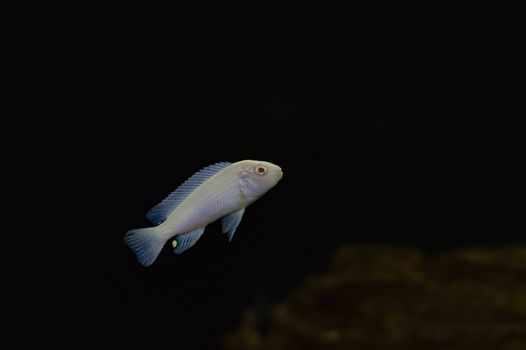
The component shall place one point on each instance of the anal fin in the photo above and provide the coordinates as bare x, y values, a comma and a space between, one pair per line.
186, 241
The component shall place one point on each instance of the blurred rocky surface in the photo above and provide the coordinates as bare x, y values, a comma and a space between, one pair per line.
396, 298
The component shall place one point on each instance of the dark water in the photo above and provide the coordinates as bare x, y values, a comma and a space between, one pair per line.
7, 75
371, 153
353, 172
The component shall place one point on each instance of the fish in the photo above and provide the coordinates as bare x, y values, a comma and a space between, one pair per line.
221, 190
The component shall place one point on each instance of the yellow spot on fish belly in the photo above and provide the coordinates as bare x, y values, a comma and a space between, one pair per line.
174, 243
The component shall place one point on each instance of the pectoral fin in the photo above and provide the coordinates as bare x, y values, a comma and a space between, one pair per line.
187, 240
231, 221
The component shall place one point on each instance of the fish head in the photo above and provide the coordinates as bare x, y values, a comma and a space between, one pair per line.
257, 177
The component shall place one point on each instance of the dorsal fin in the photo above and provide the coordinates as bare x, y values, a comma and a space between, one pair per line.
161, 211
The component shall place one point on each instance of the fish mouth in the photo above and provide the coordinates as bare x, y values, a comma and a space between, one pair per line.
280, 173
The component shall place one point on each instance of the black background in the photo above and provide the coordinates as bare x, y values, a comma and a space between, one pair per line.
384, 137
7, 74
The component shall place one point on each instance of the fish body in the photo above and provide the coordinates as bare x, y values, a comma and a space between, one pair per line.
222, 190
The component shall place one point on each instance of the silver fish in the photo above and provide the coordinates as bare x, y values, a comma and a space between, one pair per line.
222, 190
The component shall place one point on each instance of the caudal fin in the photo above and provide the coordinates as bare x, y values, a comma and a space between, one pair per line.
145, 243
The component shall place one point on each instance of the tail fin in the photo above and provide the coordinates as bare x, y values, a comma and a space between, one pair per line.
146, 243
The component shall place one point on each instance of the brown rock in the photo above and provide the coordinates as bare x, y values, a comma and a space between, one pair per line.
396, 298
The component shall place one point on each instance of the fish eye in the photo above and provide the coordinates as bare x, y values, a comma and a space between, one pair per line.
261, 170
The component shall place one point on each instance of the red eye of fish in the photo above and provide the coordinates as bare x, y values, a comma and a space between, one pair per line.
261, 170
